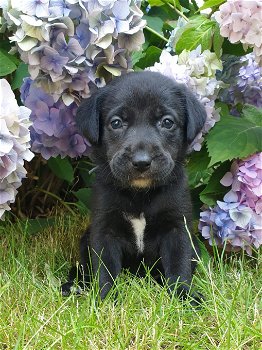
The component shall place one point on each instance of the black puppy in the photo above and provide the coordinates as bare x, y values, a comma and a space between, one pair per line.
140, 126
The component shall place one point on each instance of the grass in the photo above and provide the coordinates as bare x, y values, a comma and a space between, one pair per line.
35, 316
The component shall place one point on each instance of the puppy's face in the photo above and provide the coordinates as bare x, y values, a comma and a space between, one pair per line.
140, 125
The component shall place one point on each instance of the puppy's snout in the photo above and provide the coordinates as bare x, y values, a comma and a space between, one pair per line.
141, 161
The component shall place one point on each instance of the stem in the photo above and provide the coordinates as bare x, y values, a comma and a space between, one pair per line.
212, 11
156, 33
176, 10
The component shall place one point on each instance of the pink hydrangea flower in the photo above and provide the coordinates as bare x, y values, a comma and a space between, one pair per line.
245, 177
241, 21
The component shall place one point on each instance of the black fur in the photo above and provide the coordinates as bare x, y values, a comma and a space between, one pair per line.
140, 174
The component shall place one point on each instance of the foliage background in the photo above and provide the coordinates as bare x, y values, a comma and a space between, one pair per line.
225, 59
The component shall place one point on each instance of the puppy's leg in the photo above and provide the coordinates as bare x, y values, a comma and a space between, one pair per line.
176, 255
81, 273
107, 262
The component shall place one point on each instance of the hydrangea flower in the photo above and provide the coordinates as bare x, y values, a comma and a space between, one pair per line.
236, 221
53, 131
241, 21
198, 72
71, 47
14, 145
245, 83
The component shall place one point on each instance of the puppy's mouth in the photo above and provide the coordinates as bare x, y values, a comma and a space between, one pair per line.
141, 182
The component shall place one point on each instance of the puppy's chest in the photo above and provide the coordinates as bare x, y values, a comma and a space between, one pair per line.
140, 227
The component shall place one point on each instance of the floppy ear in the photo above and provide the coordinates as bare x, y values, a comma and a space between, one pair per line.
88, 117
195, 116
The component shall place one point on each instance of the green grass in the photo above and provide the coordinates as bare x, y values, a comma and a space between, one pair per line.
35, 316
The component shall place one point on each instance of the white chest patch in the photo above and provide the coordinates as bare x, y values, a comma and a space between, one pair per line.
139, 225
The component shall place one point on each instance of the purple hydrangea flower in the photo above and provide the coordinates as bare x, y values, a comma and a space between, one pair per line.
52, 61
58, 8
45, 119
24, 90
54, 131
70, 49
236, 221
83, 34
246, 84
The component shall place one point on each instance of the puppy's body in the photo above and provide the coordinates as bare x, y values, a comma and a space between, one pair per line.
140, 126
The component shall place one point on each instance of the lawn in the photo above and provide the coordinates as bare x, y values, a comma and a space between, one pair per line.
34, 315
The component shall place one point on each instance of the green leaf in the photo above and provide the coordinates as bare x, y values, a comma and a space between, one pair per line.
82, 208
84, 167
62, 168
155, 2
217, 41
197, 167
84, 196
33, 226
155, 23
214, 190
253, 114
20, 74
152, 55
234, 49
233, 137
7, 65
204, 254
184, 3
196, 202
137, 56
198, 31
211, 3
165, 12
224, 109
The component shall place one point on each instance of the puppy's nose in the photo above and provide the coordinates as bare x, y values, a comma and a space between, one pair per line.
141, 161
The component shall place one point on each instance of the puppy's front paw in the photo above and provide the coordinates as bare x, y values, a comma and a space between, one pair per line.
69, 288
196, 298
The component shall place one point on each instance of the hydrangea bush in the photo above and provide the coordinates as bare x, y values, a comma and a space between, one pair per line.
73, 47
14, 145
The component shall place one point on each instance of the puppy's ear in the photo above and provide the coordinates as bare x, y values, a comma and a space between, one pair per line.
195, 116
88, 117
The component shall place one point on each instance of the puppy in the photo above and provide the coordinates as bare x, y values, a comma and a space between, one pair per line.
140, 126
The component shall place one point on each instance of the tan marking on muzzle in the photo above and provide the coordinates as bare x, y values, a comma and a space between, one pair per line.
141, 183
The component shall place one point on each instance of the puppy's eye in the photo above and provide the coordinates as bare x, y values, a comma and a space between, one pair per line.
116, 123
167, 123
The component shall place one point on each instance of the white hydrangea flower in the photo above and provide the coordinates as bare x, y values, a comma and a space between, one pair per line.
14, 145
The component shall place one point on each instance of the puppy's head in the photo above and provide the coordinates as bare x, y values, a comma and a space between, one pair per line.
140, 126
